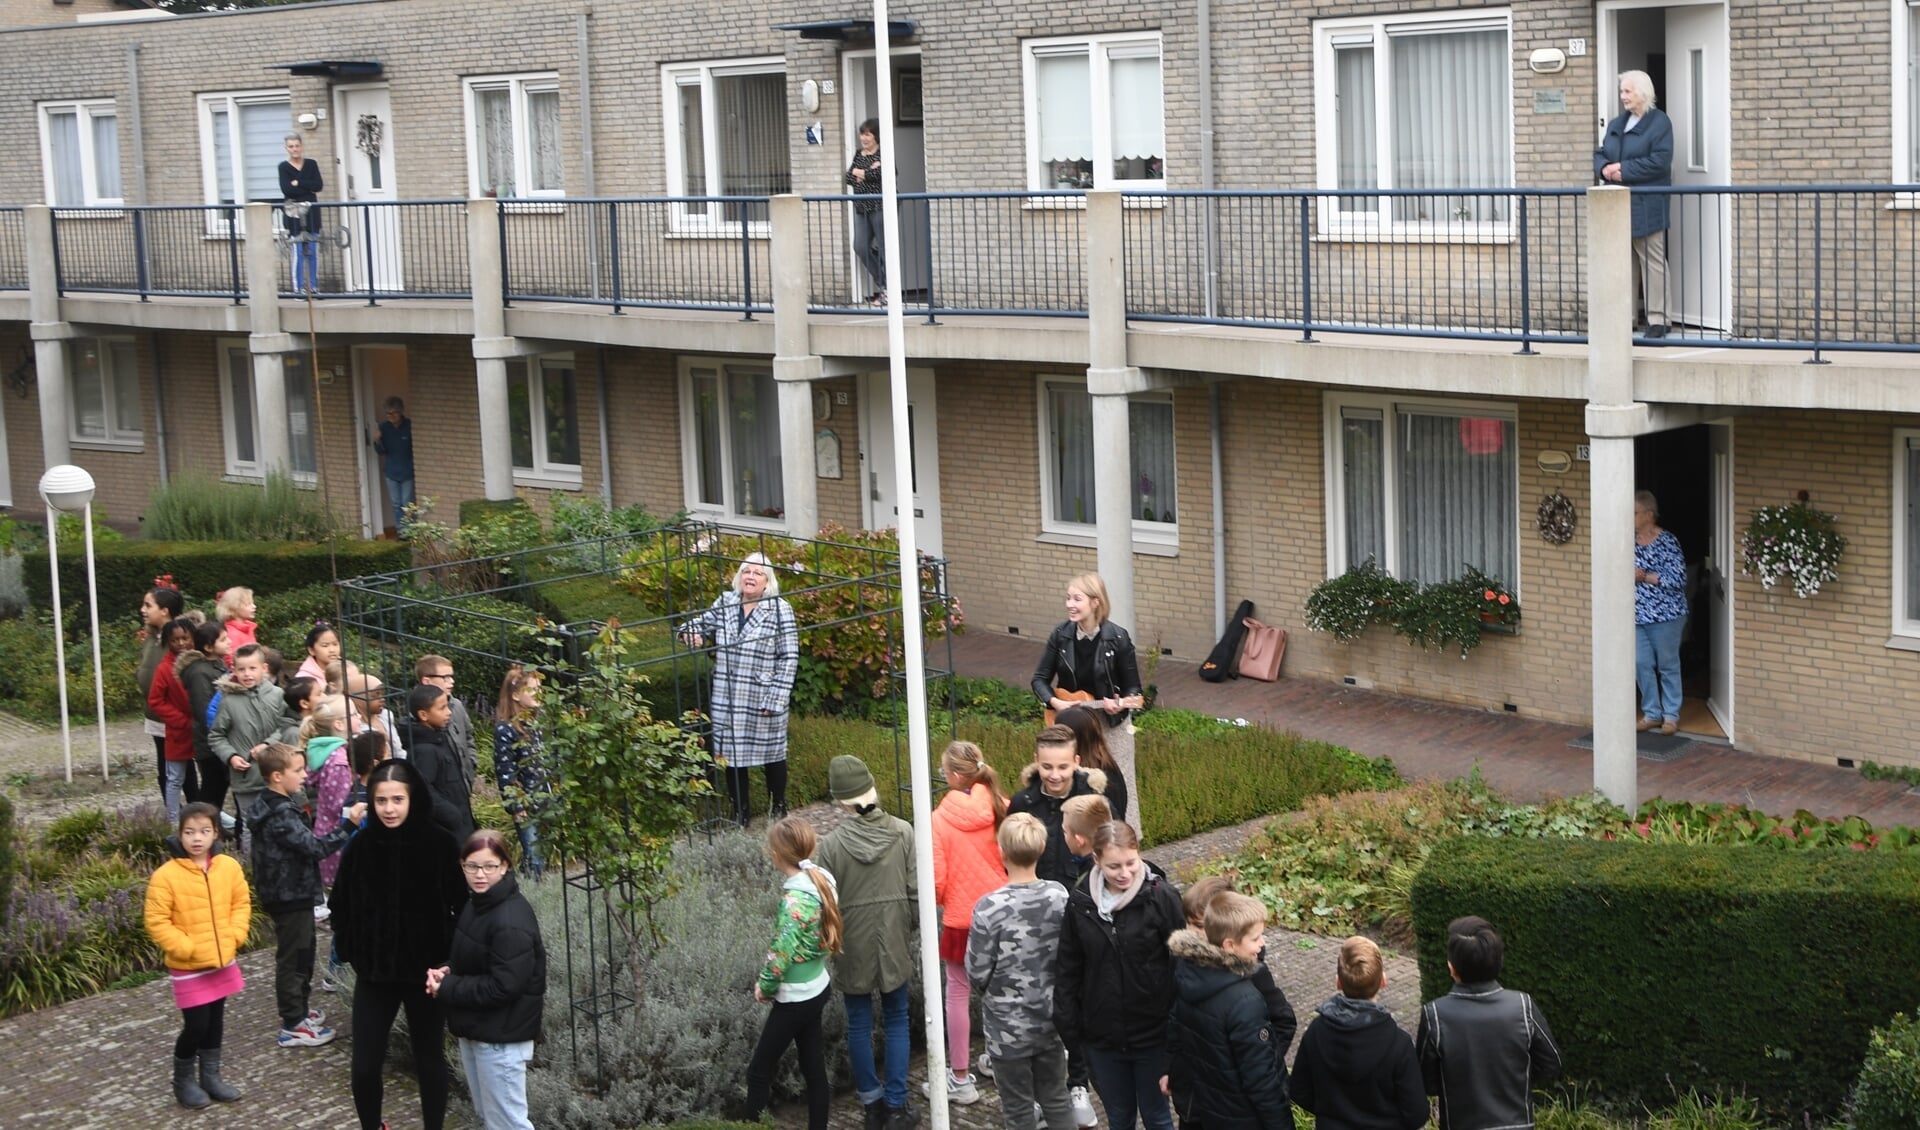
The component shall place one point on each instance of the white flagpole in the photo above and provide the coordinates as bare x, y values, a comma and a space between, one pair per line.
914, 641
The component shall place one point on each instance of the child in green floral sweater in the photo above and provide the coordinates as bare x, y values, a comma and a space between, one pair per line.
794, 979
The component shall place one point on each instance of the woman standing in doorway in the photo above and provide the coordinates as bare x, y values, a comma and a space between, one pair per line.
756, 653
301, 184
1659, 612
1089, 659
869, 237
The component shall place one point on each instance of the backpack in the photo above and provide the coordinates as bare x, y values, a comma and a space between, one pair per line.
213, 706
1223, 662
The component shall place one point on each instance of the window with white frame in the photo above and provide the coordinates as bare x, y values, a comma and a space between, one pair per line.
513, 136
543, 409
1067, 488
104, 385
240, 420
1415, 101
80, 151
1906, 534
1094, 112
731, 418
242, 142
1425, 488
726, 136
1906, 95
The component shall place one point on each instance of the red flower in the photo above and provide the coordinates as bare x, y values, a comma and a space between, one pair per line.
1489, 594
1504, 598
1857, 846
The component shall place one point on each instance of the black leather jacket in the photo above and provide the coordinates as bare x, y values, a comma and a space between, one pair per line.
1483, 1049
1115, 674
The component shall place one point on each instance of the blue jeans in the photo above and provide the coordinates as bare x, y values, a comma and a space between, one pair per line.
530, 862
400, 491
497, 1080
1129, 1084
306, 265
1657, 667
866, 1083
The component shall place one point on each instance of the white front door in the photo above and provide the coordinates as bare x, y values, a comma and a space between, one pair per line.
1717, 591
365, 146
883, 506
859, 72
1699, 238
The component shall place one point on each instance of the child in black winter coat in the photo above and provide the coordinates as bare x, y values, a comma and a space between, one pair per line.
1194, 901
1225, 1067
1054, 778
1356, 1069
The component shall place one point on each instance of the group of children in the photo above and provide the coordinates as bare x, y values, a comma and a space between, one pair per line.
1090, 966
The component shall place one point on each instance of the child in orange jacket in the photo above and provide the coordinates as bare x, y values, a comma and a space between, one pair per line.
966, 866
199, 913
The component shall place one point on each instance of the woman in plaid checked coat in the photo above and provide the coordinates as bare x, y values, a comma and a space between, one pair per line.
756, 651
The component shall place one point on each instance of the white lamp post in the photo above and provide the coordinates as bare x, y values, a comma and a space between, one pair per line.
67, 489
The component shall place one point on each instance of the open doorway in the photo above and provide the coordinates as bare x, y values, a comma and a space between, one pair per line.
379, 371
1690, 472
862, 101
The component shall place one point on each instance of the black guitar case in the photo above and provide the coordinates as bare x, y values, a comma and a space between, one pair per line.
1223, 662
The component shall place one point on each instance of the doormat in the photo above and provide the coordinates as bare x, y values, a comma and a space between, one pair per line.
1652, 745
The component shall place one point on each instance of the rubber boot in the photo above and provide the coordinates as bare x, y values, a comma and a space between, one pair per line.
186, 1092
217, 1089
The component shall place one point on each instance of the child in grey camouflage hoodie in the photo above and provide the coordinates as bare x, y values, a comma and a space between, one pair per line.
1010, 952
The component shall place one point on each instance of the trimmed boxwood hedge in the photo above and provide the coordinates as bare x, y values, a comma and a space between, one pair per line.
125, 570
1737, 969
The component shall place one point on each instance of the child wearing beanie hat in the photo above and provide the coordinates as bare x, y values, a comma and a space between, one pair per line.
871, 855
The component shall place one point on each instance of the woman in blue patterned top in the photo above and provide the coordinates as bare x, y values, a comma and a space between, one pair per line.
1659, 612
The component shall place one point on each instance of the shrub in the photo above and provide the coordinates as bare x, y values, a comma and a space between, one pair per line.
76, 831
126, 570
195, 506
1196, 782
1601, 933
286, 616
1887, 1096
473, 511
29, 682
1344, 606
482, 635
7, 855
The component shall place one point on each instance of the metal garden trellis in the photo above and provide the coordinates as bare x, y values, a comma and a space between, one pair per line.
488, 613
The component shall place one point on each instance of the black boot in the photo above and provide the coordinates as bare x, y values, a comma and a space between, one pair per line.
903, 1117
216, 1088
876, 1114
778, 812
185, 1091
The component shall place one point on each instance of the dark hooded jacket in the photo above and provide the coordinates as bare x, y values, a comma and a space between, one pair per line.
870, 856
497, 968
431, 751
1057, 862
287, 855
1225, 1065
1356, 1070
398, 892
1113, 981
197, 672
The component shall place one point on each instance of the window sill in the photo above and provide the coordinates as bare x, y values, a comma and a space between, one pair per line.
90, 212
1490, 237
729, 232
551, 480
1143, 544
125, 447
738, 521
1904, 202
1903, 643
1146, 198
301, 480
532, 207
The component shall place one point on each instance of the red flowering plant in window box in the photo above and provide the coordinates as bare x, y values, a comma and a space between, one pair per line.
1498, 607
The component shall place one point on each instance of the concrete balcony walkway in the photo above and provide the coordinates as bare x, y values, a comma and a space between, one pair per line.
1521, 758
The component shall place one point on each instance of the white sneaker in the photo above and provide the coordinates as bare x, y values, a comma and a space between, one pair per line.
1082, 1105
984, 1065
226, 821
1039, 1116
961, 1091
322, 912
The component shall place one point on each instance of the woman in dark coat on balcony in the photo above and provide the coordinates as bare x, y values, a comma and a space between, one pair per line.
301, 183
1637, 151
869, 238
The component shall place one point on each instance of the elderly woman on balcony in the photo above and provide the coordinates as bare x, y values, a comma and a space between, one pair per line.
1638, 150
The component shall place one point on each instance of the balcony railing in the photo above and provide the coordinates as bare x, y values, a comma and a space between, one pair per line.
394, 249
681, 252
960, 253
176, 250
13, 248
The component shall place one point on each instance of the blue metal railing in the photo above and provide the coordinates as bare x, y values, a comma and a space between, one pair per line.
1017, 253
1489, 264
393, 249
146, 250
677, 252
13, 248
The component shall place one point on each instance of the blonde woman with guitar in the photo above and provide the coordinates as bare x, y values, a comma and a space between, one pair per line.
1091, 660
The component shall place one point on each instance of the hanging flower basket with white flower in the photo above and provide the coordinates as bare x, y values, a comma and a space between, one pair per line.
1795, 542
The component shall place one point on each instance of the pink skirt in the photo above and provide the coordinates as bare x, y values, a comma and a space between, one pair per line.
195, 987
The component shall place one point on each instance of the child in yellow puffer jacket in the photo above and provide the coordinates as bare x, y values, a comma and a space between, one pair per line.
199, 912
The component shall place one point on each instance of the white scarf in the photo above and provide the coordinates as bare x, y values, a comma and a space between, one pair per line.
1108, 901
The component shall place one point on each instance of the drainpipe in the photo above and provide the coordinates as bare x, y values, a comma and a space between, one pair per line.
1219, 516
584, 54
606, 456
138, 132
1203, 12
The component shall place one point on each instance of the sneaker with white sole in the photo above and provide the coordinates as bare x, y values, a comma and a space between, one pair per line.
306, 1036
328, 984
1082, 1104
316, 1018
962, 1091
984, 1065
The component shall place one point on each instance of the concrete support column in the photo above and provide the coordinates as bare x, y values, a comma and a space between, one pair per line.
491, 349
1109, 381
798, 483
1612, 421
50, 335
274, 439
795, 367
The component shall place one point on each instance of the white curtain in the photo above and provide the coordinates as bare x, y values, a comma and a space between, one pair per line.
222, 156
126, 388
1363, 485
755, 423
240, 404
89, 390
1070, 424
495, 108
263, 131
1913, 90
1356, 138
106, 156
561, 411
63, 138
543, 130
1458, 480
1913, 531
1150, 443
1063, 96
299, 414
1452, 124
1133, 95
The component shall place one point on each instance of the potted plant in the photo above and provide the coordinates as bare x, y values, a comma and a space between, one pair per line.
1794, 541
1343, 606
1499, 608
1454, 613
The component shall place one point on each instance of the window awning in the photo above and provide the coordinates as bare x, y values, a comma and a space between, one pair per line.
332, 68
846, 31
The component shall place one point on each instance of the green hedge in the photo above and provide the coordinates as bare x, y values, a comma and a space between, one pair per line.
125, 570
474, 510
1728, 969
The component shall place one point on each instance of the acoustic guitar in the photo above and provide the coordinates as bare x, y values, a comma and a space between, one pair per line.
1131, 702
